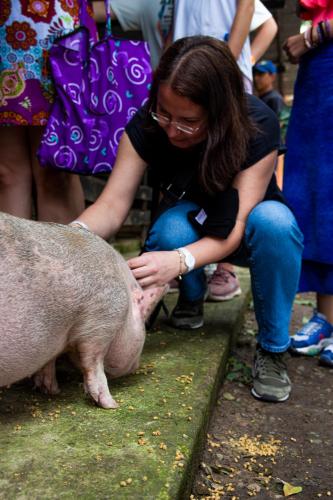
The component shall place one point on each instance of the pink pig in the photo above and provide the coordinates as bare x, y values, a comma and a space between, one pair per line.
65, 289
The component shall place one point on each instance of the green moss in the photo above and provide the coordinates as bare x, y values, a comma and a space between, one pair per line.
65, 447
127, 247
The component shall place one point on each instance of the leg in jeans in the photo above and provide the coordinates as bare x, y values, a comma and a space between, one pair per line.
275, 245
173, 230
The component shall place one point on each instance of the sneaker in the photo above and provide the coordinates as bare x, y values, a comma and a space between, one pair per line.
187, 315
326, 356
313, 337
223, 285
270, 377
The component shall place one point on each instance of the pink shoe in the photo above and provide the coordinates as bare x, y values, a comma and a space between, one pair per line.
223, 285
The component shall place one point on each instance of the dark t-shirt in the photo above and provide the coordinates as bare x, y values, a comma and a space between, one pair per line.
274, 100
179, 167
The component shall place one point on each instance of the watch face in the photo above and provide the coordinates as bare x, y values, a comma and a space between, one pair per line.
189, 260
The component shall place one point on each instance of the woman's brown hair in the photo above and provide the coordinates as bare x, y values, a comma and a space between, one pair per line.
203, 69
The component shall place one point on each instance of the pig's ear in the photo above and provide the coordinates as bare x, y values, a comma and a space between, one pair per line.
147, 299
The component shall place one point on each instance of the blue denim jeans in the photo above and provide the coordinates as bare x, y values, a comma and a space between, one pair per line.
272, 249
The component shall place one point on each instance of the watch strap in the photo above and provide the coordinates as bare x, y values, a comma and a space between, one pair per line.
189, 259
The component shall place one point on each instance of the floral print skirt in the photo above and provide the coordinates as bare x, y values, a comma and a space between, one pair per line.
27, 31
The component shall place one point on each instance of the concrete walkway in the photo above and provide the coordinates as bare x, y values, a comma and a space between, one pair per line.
66, 448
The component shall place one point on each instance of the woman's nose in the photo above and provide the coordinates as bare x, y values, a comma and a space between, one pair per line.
172, 131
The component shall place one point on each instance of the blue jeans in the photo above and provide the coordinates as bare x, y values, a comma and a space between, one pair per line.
272, 249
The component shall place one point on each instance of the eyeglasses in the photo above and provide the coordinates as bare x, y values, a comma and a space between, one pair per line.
164, 121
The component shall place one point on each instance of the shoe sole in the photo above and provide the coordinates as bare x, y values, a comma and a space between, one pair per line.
269, 397
221, 298
311, 350
186, 326
325, 362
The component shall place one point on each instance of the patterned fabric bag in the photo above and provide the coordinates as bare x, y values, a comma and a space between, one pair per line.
99, 89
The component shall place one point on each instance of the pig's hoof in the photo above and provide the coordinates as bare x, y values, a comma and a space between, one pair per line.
45, 385
45, 389
45, 379
106, 401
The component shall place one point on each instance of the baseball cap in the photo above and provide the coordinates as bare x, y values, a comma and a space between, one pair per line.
265, 67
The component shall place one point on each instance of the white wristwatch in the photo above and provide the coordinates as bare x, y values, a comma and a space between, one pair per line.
189, 259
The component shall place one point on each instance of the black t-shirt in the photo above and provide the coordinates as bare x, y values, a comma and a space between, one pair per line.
274, 100
178, 168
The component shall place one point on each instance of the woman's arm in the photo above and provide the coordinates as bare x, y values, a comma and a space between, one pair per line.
241, 26
251, 185
297, 45
99, 11
158, 268
263, 38
109, 211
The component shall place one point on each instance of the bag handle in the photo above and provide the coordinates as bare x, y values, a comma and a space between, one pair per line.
108, 25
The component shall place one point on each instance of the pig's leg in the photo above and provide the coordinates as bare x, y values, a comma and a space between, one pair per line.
45, 379
95, 382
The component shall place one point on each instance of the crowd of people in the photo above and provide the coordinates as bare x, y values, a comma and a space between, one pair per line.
211, 147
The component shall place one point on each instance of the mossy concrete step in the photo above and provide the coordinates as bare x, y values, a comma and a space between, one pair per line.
64, 447
127, 247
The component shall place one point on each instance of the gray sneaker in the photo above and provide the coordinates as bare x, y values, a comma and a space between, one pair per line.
270, 378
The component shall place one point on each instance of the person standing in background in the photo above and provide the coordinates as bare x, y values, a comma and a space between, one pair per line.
27, 30
154, 18
264, 28
308, 178
230, 21
227, 20
264, 73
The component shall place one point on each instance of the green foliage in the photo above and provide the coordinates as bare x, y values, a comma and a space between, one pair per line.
238, 371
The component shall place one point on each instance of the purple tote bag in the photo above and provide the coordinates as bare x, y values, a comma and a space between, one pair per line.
99, 88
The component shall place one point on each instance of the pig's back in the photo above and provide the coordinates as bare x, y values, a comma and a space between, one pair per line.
54, 280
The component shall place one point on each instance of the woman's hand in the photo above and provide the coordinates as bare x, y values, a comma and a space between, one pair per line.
155, 268
295, 47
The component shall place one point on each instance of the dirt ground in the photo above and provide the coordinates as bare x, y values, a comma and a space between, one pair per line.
267, 450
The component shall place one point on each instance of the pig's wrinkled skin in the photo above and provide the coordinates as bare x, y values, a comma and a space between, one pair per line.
65, 289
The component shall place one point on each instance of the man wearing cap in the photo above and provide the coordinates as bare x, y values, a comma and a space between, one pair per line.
264, 73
